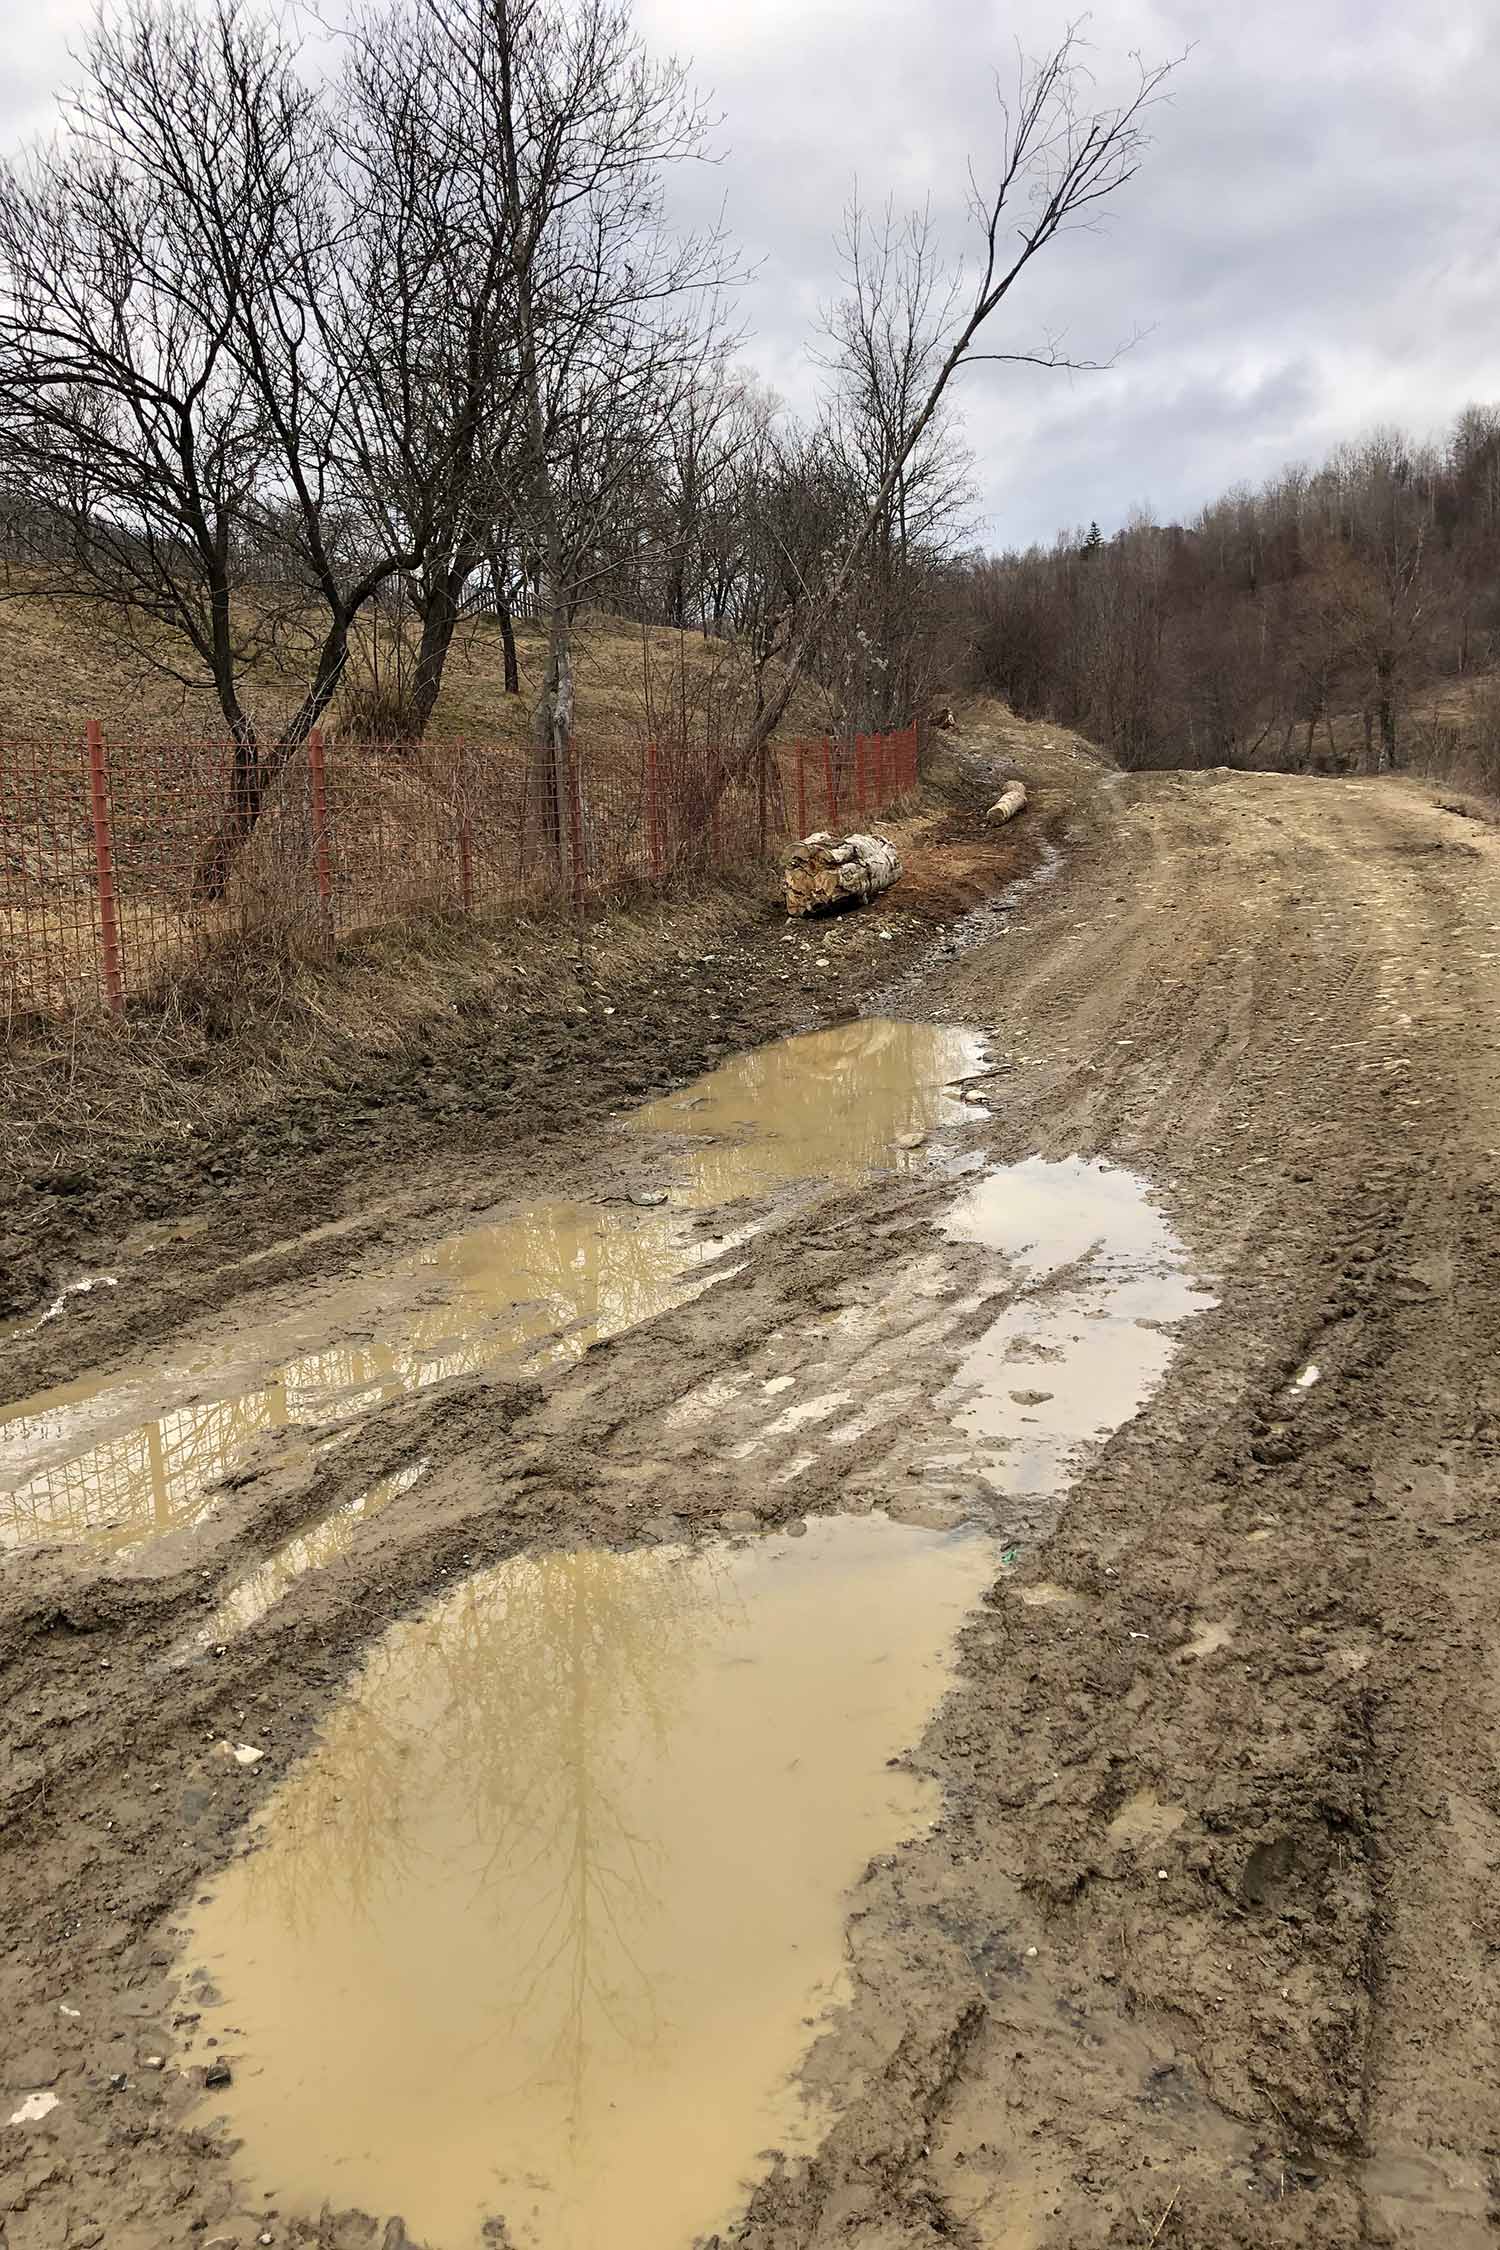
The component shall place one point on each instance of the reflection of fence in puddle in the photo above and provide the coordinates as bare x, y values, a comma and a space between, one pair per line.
541, 1287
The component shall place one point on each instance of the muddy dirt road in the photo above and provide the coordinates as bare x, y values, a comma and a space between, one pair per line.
940, 1589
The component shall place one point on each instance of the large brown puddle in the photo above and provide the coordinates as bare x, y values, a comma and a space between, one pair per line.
117, 1459
543, 1925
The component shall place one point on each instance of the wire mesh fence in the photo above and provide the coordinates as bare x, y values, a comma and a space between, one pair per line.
123, 863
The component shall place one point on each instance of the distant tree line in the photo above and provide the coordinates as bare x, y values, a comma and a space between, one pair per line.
1345, 593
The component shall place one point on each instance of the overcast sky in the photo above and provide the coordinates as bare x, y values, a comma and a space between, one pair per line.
1310, 249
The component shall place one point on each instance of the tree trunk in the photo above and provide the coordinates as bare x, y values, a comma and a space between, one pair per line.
552, 729
255, 770
508, 642
1387, 709
439, 624
500, 583
677, 595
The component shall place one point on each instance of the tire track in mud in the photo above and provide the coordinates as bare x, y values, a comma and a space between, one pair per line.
1202, 1951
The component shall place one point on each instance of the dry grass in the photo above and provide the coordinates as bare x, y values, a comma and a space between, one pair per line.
1456, 737
394, 852
61, 664
251, 1023
255, 1024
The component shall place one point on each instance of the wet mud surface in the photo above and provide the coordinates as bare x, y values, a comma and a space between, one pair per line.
1173, 1307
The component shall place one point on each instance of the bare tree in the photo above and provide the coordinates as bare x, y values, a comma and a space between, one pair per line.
130, 252
187, 352
1058, 162
565, 129
884, 347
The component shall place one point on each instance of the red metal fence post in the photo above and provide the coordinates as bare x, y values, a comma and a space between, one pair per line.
801, 790
318, 779
859, 773
833, 802
104, 872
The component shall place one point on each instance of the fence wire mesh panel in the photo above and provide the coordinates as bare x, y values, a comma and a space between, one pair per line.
124, 864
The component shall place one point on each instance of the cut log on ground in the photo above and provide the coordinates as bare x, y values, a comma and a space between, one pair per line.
1011, 800
825, 872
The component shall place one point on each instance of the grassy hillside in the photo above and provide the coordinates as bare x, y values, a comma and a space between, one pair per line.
61, 664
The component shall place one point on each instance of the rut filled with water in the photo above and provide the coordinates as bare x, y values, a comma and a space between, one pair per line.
111, 1461
543, 1926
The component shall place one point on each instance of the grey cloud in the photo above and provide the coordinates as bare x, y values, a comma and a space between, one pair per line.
1309, 249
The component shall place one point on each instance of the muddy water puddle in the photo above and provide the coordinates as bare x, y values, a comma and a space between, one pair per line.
1103, 1284
948, 1387
834, 1105
543, 1925
118, 1459
256, 1593
104, 1460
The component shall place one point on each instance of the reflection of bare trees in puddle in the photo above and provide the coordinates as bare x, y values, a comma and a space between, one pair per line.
503, 1746
589, 1272
543, 1923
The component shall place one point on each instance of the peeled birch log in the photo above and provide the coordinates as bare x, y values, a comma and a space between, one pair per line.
824, 872
1011, 800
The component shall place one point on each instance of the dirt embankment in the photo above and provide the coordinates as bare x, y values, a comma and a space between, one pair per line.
1203, 1949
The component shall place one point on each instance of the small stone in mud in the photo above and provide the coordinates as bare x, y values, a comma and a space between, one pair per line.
218, 2073
739, 1519
910, 1140
33, 2109
1031, 1398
